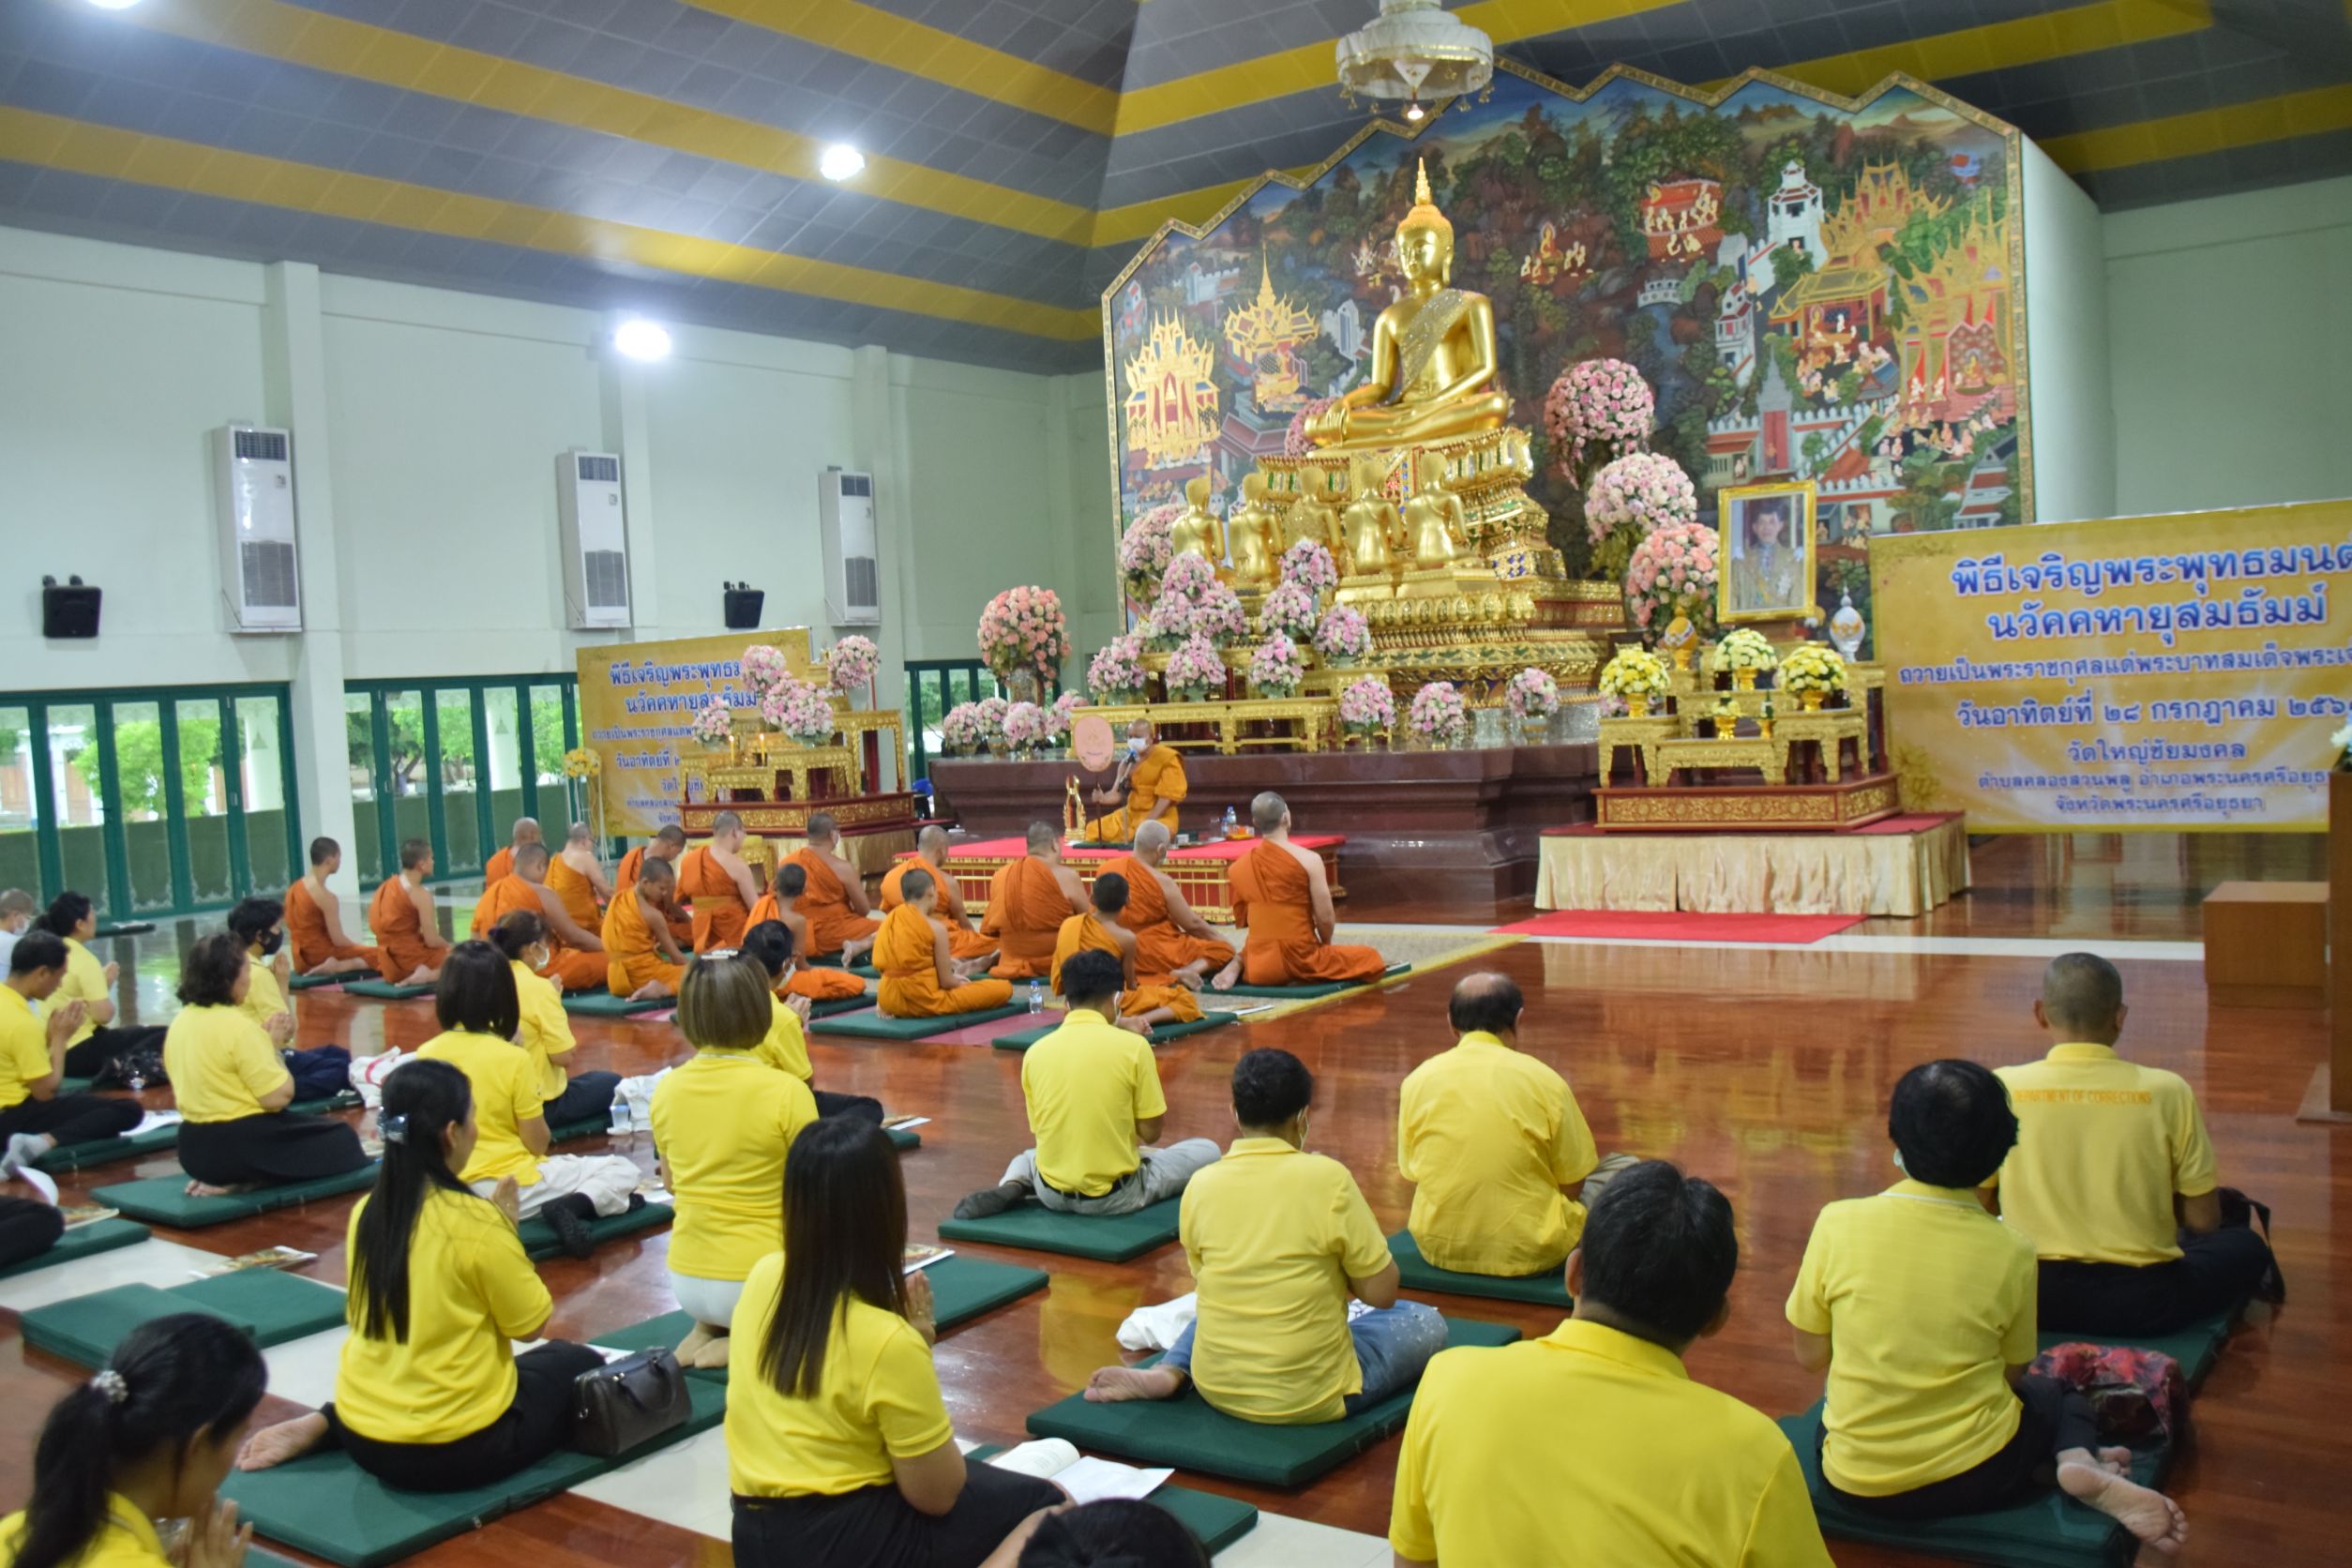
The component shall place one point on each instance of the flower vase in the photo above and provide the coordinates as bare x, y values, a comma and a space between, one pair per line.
1636, 705
1535, 730
1682, 656
1811, 700
1744, 680
1000, 750
1021, 686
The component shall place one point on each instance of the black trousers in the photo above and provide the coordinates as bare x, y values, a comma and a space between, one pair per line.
859, 1106
2215, 1272
104, 1045
2054, 1418
268, 1149
73, 1118
537, 1424
587, 1097
27, 1230
877, 1528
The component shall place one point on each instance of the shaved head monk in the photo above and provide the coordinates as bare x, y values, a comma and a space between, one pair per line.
1173, 945
641, 958
576, 959
930, 854
834, 902
578, 877
667, 844
1098, 932
1148, 787
1282, 895
406, 923
919, 979
718, 885
502, 864
314, 919
781, 904
1028, 901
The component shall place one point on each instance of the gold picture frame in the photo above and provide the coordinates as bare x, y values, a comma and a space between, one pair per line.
1742, 599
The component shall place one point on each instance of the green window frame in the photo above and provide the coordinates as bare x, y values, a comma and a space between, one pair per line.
431, 752
933, 687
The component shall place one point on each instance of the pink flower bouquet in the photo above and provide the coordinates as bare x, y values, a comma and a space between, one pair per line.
1294, 442
961, 728
1024, 725
1218, 615
800, 711
1343, 637
1061, 713
1600, 405
1531, 694
1631, 499
1196, 669
1289, 608
1116, 671
1367, 705
762, 667
852, 664
1146, 549
1023, 628
1188, 577
988, 715
1673, 572
1309, 565
1438, 714
1277, 669
713, 724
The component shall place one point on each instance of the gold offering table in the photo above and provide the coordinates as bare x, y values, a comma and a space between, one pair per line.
774, 783
1265, 723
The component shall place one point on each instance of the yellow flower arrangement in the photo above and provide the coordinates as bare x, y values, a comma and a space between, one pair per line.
1812, 667
1745, 648
1634, 672
581, 762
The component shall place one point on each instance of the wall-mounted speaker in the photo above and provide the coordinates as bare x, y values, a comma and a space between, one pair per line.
744, 603
71, 610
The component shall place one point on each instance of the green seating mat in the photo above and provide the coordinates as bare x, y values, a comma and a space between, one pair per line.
271, 1305
1186, 1433
903, 1139
1022, 1039
2048, 1530
1416, 1272
324, 1504
348, 1100
309, 982
835, 1007
874, 1026
76, 1085
1215, 1521
100, 1150
603, 1004
103, 1235
1107, 1238
2197, 1347
538, 1236
163, 1201
1321, 988
385, 990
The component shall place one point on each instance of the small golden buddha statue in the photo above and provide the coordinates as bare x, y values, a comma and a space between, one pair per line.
1256, 535
1433, 352
1371, 525
1198, 531
1312, 518
1434, 525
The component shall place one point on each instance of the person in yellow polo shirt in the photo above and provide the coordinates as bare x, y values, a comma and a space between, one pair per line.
1094, 1106
2114, 1178
1489, 1138
34, 1117
1680, 1473
260, 924
839, 1448
1919, 1304
98, 1039
565, 1097
723, 1122
1279, 1240
429, 1395
786, 1047
150, 1436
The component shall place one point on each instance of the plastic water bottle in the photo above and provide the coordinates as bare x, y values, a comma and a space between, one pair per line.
1230, 822
621, 1120
1037, 996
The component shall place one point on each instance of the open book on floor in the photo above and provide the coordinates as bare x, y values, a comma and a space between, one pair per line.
1085, 1478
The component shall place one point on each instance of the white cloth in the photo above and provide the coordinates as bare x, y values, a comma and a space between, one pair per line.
1155, 1328
707, 1301
605, 1180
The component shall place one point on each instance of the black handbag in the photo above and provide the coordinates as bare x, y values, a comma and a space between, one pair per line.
624, 1404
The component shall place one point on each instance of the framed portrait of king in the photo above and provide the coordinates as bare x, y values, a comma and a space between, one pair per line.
1765, 564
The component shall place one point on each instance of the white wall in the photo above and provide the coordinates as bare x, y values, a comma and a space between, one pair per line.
2066, 345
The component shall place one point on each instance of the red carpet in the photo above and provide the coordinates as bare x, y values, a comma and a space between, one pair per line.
1681, 926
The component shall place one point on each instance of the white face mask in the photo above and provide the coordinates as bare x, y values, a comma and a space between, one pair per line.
1137, 748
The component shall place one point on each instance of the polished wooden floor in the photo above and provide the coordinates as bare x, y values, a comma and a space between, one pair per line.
1765, 1071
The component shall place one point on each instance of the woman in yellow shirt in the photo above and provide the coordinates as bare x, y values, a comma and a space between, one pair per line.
567, 1097
232, 1085
839, 1444
260, 924
97, 1041
723, 1122
787, 1046
150, 1437
429, 1395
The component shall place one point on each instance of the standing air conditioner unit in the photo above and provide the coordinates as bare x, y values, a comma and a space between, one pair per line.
596, 540
845, 515
260, 573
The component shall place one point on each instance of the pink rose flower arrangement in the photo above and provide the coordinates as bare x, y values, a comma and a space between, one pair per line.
852, 663
800, 711
989, 715
1023, 628
1196, 669
1294, 442
961, 728
1116, 671
1673, 572
1343, 635
1188, 577
1599, 405
1276, 667
1309, 565
762, 667
1218, 615
1647, 489
1289, 609
1146, 549
1438, 714
1366, 705
712, 724
1531, 694
1171, 620
1024, 725
1061, 713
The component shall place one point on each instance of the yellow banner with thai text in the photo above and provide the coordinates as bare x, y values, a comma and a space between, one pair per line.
637, 707
2179, 672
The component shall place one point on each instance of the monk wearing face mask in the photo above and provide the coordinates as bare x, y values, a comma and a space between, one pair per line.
1148, 786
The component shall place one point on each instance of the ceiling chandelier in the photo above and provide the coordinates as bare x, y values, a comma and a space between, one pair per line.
1415, 49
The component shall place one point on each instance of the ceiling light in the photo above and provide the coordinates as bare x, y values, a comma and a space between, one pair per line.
114, 5
1413, 112
1414, 50
840, 161
641, 339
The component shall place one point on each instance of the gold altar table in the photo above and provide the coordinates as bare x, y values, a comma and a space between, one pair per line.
767, 778
1830, 729
1768, 757
1313, 721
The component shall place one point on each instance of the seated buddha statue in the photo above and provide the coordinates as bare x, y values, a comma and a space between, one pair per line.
1256, 535
1312, 518
1435, 526
1433, 352
1371, 525
1198, 531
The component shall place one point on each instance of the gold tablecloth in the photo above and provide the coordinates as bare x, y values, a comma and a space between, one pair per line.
1902, 874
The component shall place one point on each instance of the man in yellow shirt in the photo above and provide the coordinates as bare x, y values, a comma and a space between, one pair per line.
1279, 1240
34, 1117
1919, 1304
785, 1049
1653, 1467
2113, 1176
1148, 787
1094, 1106
1489, 1137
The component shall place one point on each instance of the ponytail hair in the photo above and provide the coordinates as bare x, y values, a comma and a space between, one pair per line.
171, 1381
65, 911
518, 934
422, 1100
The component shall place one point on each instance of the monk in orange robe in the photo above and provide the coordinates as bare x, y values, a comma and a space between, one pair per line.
919, 980
640, 958
1173, 945
1028, 901
1098, 931
576, 959
1148, 786
781, 904
578, 878
667, 844
718, 885
1281, 894
407, 926
931, 854
834, 902
502, 864
315, 923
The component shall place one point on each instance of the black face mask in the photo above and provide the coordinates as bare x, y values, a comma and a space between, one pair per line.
272, 943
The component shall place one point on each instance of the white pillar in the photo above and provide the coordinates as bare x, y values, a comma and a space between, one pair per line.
875, 449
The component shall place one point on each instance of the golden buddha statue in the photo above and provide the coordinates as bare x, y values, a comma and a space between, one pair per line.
1310, 518
1433, 352
1198, 531
1256, 535
1435, 524
1371, 525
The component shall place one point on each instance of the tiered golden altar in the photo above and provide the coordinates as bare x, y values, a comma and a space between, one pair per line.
774, 783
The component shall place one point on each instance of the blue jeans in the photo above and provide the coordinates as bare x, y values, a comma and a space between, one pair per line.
1393, 1345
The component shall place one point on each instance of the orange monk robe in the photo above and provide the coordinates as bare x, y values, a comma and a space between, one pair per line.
1026, 909
816, 984
501, 866
1271, 895
632, 868
572, 969
579, 895
632, 954
963, 941
502, 898
1085, 933
400, 949
1160, 949
824, 903
910, 972
719, 912
1157, 776
307, 933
